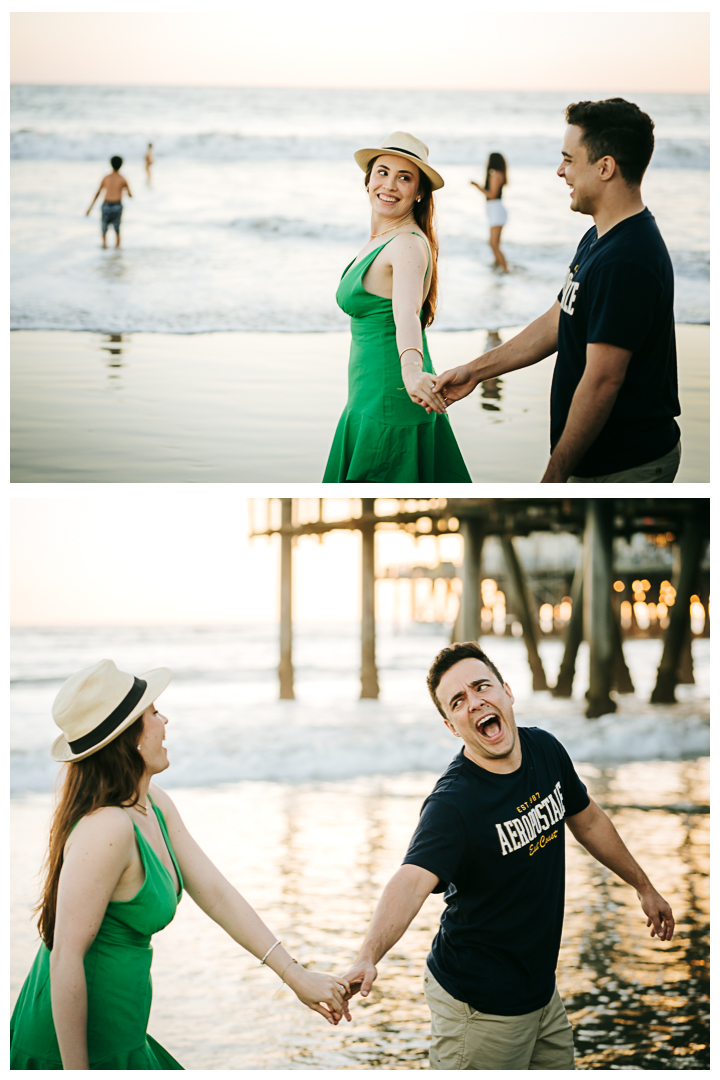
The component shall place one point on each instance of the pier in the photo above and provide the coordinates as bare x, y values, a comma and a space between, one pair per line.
596, 610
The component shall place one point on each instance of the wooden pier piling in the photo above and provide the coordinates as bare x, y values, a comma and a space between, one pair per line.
473, 536
598, 605
595, 606
692, 540
573, 633
285, 667
369, 686
517, 580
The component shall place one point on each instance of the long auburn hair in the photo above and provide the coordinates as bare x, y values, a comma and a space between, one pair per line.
496, 162
424, 214
109, 777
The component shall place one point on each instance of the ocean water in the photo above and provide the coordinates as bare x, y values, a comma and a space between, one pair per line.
227, 724
307, 807
256, 205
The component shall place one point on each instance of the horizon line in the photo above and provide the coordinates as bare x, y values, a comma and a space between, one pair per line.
364, 89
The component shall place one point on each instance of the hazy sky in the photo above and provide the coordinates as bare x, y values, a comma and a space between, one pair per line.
422, 44
147, 556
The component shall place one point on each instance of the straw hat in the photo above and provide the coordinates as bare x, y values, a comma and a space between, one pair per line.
405, 146
93, 707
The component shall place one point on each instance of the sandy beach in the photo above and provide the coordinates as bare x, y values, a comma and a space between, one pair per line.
262, 407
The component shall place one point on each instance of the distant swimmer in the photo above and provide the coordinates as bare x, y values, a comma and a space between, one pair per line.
495, 181
114, 184
149, 159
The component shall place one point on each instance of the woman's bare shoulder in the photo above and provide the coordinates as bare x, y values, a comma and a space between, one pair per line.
161, 799
107, 824
409, 242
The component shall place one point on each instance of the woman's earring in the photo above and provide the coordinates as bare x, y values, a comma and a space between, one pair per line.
419, 198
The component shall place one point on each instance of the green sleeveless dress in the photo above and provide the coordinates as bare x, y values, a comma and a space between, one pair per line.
119, 988
383, 435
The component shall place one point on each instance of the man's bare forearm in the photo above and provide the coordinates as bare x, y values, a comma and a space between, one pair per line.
402, 898
534, 343
591, 406
602, 840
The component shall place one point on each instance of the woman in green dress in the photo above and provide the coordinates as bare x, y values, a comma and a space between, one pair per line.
394, 427
119, 858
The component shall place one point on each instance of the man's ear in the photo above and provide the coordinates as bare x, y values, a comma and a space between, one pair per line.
449, 726
607, 167
508, 691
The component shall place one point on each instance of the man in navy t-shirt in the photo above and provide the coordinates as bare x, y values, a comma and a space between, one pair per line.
491, 837
614, 394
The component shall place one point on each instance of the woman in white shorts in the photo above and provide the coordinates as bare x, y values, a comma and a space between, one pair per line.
495, 180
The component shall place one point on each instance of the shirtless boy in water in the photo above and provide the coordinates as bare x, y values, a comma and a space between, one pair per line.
114, 184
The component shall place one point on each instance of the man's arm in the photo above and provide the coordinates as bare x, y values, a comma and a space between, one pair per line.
531, 345
402, 898
127, 187
595, 831
592, 402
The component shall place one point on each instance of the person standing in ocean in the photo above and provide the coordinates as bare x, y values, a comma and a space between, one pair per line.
491, 836
119, 859
114, 184
394, 426
614, 394
149, 159
495, 181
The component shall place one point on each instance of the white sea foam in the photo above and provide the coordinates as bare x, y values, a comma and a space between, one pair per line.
226, 723
256, 205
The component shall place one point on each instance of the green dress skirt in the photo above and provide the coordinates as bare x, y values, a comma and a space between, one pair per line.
117, 972
382, 434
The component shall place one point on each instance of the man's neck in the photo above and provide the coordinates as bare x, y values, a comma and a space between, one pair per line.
616, 210
508, 764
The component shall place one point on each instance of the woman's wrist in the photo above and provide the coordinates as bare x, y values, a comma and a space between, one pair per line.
293, 974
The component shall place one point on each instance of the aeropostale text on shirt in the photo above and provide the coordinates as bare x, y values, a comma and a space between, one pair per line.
519, 832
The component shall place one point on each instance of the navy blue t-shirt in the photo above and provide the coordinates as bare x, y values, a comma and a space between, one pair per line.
619, 291
496, 841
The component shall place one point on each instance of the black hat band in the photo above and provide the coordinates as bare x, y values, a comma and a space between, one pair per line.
116, 717
408, 153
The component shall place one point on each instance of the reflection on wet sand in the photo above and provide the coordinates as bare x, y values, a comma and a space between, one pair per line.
113, 351
313, 859
67, 427
633, 1001
633, 1004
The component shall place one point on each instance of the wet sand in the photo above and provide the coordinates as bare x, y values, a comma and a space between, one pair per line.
313, 858
259, 408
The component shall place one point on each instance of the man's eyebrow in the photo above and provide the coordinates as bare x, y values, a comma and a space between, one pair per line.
454, 698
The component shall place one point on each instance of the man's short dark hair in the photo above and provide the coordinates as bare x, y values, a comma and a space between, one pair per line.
618, 129
447, 658
116, 162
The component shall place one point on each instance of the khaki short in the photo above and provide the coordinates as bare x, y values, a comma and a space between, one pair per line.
661, 471
463, 1038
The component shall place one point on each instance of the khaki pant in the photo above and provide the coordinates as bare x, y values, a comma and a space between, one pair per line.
660, 471
463, 1038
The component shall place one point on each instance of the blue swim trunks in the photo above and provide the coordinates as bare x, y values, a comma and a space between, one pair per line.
111, 214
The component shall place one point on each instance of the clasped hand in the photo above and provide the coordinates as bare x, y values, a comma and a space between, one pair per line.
420, 385
324, 994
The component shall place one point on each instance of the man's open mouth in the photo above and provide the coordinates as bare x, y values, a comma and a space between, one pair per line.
490, 728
